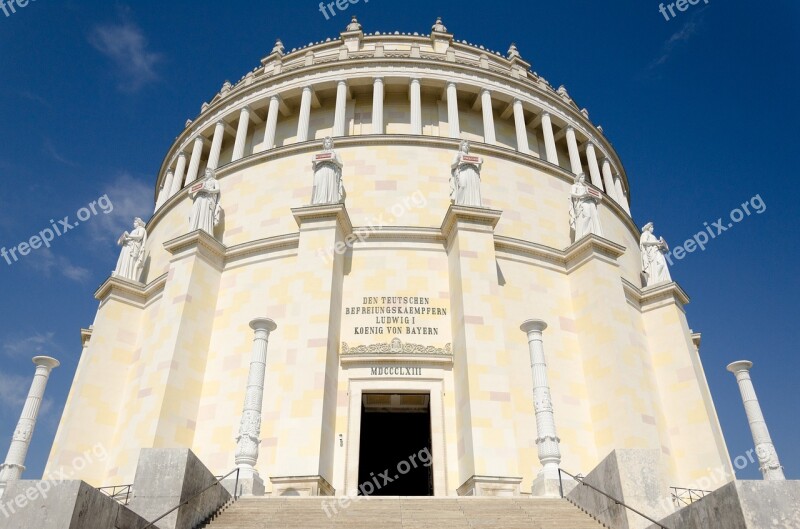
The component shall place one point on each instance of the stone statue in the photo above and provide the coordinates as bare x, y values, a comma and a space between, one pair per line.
439, 26
465, 178
206, 210
131, 258
583, 215
328, 185
353, 25
654, 264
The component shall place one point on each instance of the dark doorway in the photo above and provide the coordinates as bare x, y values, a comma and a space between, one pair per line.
395, 457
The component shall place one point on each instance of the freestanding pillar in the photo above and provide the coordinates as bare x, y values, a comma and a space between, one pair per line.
250, 426
547, 441
767, 456
14, 465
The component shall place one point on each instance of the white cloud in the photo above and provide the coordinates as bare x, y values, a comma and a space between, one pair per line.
13, 389
51, 150
29, 346
126, 46
683, 35
131, 198
46, 262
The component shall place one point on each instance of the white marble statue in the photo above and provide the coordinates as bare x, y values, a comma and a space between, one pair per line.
206, 210
465, 178
131, 257
328, 185
583, 215
654, 264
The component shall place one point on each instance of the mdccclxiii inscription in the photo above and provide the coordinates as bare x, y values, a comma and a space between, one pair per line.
395, 370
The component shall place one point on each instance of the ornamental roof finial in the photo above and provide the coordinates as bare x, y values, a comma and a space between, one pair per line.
438, 26
353, 25
278, 48
513, 52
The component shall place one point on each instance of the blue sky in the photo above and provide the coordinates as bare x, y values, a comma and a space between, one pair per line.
701, 108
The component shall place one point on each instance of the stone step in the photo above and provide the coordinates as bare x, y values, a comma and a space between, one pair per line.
402, 513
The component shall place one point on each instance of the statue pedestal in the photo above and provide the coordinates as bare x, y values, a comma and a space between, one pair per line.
250, 485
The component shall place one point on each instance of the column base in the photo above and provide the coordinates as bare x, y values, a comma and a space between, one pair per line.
499, 486
301, 486
548, 486
248, 486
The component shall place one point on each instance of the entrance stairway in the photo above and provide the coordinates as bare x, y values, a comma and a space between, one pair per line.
394, 512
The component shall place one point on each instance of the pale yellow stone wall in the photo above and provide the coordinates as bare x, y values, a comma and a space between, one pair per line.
172, 373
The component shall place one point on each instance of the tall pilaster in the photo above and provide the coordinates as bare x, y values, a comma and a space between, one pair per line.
767, 456
415, 95
194, 162
250, 425
608, 181
304, 118
341, 108
452, 110
272, 122
480, 364
180, 172
574, 152
377, 106
594, 168
241, 134
547, 440
216, 145
488, 117
549, 139
14, 465
521, 128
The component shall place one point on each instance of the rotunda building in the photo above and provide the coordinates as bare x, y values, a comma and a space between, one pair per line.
400, 261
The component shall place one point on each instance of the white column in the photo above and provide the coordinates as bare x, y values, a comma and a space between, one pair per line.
594, 168
180, 170
250, 426
549, 139
305, 115
621, 196
163, 194
241, 134
521, 127
767, 456
488, 117
194, 162
272, 122
216, 145
452, 110
608, 181
341, 108
574, 153
416, 107
14, 464
547, 440
377, 106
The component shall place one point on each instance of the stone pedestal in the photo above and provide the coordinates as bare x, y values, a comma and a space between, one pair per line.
300, 486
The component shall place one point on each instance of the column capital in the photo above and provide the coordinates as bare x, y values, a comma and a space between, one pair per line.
544, 114
448, 84
181, 155
415, 80
740, 365
377, 79
534, 326
486, 91
341, 82
46, 361
263, 324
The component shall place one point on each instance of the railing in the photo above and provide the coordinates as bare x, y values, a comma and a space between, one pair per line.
195, 495
615, 500
118, 493
682, 497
